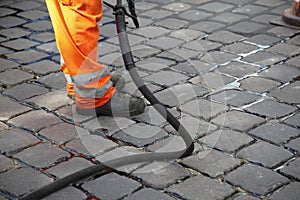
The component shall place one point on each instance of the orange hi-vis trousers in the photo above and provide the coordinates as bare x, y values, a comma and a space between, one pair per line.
77, 33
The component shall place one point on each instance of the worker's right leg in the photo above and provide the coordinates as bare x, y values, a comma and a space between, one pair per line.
76, 32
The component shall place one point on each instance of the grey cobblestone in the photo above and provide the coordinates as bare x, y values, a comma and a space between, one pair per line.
207, 26
277, 72
275, 132
211, 162
225, 37
11, 33
238, 120
67, 193
102, 187
292, 169
285, 49
264, 58
171, 23
25, 6
264, 40
26, 56
167, 78
21, 181
258, 84
45, 155
7, 64
19, 44
160, 174
294, 120
15, 76
266, 154
33, 14
246, 27
11, 108
288, 94
255, 179
148, 194
11, 21
69, 167
35, 120
53, 80
226, 140
210, 190
42, 67
294, 145
14, 140
6, 163
39, 25
290, 192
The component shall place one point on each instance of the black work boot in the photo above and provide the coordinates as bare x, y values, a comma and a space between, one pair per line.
120, 105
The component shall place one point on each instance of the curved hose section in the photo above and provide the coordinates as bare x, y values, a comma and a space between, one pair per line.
98, 169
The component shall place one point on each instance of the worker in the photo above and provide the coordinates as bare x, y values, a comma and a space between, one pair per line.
76, 33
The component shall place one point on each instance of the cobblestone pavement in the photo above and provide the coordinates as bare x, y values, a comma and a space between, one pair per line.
221, 68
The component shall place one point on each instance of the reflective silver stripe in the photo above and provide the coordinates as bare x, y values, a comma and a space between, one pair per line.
82, 79
93, 92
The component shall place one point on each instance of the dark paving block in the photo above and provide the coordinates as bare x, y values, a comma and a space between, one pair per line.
268, 3
11, 21
69, 167
160, 174
49, 47
164, 43
202, 46
264, 18
27, 56
239, 48
11, 108
23, 180
77, 147
67, 193
246, 27
179, 94
294, 61
263, 39
6, 11
111, 186
7, 64
14, 140
33, 14
25, 91
6, 164
258, 84
288, 94
170, 144
228, 17
11, 33
196, 127
216, 7
282, 73
266, 154
60, 133
271, 109
209, 190
294, 120
292, 169
120, 152
235, 98
194, 67
25, 5
144, 51
42, 155
171, 23
291, 192
40, 25
283, 32
295, 40
177, 7
203, 108
255, 179
15, 76
4, 50
35, 120
226, 140
211, 162
245, 197
109, 124
19, 44
238, 120
264, 58
151, 32
212, 80
207, 26
285, 49
51, 100
3, 126
187, 34
140, 134
249, 9
42, 67
225, 37
167, 78
218, 57
53, 80
294, 145
105, 48
275, 132
148, 194
157, 14
194, 15
182, 54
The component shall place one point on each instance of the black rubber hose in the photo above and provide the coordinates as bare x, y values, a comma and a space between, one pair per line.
98, 169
